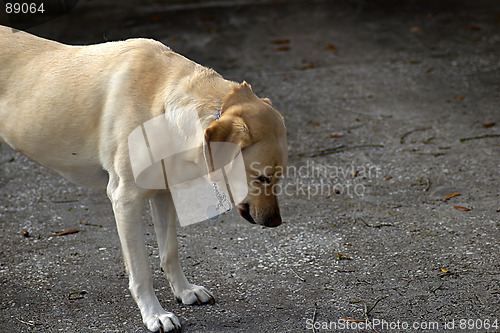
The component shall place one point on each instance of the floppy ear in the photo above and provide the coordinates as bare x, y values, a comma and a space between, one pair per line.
240, 94
229, 130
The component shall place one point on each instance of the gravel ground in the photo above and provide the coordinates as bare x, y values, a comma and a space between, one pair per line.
390, 106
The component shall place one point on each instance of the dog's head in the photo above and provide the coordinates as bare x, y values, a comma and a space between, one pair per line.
258, 129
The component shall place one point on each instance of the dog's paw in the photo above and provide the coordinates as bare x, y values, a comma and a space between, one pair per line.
163, 323
194, 295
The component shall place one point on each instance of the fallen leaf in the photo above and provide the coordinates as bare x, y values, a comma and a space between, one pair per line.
460, 98
415, 29
331, 47
315, 124
342, 256
451, 195
67, 232
472, 27
463, 209
488, 125
280, 41
156, 18
309, 66
283, 48
444, 270
74, 295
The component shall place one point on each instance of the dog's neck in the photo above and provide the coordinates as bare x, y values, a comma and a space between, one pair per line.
191, 106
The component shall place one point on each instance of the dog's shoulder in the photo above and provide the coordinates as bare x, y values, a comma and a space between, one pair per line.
139, 51
138, 47
144, 44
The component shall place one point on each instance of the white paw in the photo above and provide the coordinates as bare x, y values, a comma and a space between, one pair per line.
163, 323
194, 294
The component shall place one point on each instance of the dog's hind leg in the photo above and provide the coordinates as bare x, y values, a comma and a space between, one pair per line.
128, 204
164, 219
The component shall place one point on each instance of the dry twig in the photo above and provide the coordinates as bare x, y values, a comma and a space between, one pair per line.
366, 115
375, 304
297, 275
403, 137
480, 137
433, 290
367, 311
25, 322
339, 149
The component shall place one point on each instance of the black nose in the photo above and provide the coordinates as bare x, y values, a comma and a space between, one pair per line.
273, 221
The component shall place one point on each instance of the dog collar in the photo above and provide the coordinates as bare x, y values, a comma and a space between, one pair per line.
217, 116
213, 211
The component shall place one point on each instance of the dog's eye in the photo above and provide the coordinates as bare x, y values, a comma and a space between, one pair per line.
264, 179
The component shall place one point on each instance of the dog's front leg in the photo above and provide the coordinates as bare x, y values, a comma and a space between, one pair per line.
128, 205
164, 219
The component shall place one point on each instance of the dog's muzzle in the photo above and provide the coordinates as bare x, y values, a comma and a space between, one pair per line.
273, 221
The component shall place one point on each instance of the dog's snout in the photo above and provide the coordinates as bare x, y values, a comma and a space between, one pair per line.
274, 221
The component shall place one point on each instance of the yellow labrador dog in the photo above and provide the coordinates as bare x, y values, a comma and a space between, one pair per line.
72, 108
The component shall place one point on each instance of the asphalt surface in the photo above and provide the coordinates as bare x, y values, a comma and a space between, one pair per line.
390, 107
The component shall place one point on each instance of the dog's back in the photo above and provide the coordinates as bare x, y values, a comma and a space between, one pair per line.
53, 97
